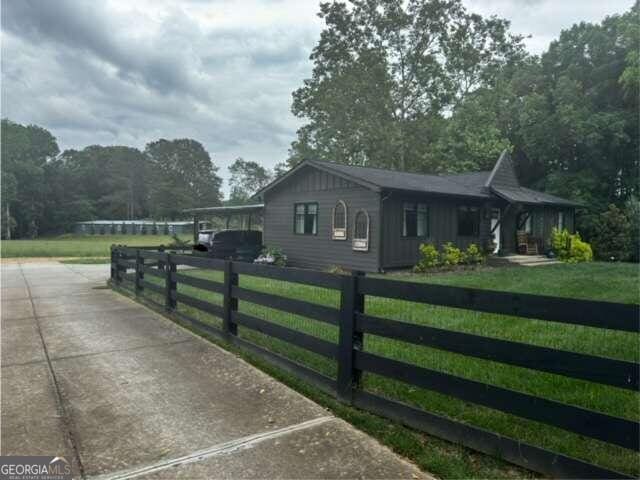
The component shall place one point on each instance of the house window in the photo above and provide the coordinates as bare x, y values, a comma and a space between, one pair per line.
361, 231
560, 224
468, 221
415, 220
306, 218
339, 226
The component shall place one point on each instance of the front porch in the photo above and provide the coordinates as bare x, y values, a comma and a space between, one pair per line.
524, 229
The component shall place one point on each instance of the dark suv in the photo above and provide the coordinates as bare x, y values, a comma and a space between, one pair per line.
242, 245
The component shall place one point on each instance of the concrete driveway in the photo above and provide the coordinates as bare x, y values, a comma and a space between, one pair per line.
122, 392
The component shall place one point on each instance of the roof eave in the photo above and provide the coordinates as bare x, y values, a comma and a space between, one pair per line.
563, 203
438, 194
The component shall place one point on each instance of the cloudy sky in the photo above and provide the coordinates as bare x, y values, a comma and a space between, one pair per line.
221, 71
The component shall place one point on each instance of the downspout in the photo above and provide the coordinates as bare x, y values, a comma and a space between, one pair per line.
380, 232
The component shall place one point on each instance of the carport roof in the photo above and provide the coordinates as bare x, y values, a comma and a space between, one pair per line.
228, 209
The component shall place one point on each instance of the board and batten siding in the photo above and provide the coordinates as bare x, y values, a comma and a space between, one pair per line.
399, 251
321, 251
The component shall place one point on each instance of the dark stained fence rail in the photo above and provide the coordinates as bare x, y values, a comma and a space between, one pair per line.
353, 324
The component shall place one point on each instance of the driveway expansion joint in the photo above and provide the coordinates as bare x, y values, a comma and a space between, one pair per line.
220, 449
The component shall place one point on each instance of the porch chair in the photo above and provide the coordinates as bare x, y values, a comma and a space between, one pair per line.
527, 245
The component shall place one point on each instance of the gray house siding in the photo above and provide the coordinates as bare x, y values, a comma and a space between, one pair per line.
321, 251
399, 251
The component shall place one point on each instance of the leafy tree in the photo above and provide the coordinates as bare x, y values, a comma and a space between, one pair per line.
247, 178
470, 140
65, 202
183, 176
112, 179
280, 169
385, 71
632, 210
612, 238
25, 151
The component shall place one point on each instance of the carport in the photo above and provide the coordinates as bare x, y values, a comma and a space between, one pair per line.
248, 214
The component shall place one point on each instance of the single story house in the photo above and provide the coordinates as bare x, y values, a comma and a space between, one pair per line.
322, 214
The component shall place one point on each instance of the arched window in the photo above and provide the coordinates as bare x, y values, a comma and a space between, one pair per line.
339, 221
361, 231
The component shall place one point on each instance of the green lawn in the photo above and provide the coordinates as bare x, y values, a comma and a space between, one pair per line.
600, 281
78, 245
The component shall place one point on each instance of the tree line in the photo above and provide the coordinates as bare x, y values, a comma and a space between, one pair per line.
45, 191
427, 86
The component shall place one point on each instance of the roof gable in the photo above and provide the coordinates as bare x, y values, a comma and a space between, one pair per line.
292, 175
503, 173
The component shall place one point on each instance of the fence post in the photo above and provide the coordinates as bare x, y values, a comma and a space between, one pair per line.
161, 263
139, 271
170, 284
230, 304
351, 302
114, 265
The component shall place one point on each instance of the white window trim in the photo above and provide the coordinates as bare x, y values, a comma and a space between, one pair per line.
339, 233
560, 221
361, 244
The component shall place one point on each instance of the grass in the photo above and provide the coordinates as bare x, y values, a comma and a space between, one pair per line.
78, 245
86, 261
600, 281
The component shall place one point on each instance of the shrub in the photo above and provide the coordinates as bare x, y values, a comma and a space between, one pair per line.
560, 242
580, 250
154, 228
143, 229
473, 255
166, 228
612, 236
570, 248
272, 256
123, 228
451, 255
429, 258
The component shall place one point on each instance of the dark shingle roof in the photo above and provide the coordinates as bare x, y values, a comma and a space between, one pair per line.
413, 182
473, 184
526, 195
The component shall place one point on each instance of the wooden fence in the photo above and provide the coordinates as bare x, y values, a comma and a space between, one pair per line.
353, 324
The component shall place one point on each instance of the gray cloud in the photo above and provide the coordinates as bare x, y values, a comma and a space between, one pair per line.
97, 76
221, 72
